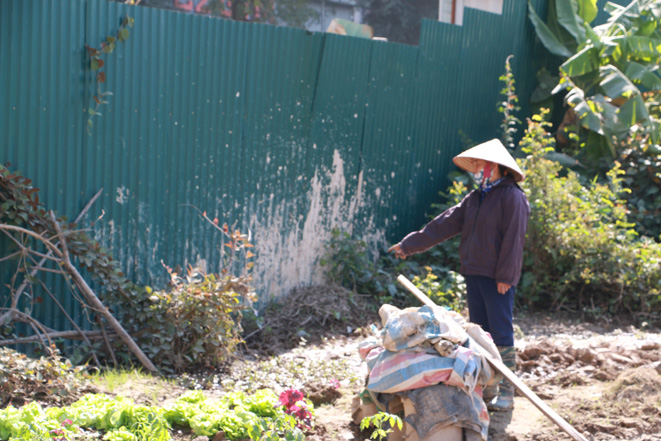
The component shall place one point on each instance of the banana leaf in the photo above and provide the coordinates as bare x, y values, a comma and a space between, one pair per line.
633, 110
546, 83
643, 75
588, 10
644, 48
587, 114
547, 37
585, 61
616, 85
569, 19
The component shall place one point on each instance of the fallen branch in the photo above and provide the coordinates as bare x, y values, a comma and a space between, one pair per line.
94, 301
67, 335
33, 272
72, 321
106, 340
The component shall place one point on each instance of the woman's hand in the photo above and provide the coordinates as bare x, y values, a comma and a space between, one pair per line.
503, 287
398, 251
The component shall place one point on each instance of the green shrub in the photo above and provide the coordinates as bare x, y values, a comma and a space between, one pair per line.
641, 160
581, 251
194, 323
448, 290
197, 321
347, 263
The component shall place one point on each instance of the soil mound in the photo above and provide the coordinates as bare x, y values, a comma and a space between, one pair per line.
310, 313
641, 384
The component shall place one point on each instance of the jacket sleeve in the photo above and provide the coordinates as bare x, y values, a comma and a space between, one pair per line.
515, 218
442, 227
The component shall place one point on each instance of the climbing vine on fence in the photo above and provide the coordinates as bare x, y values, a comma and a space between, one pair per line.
192, 336
97, 64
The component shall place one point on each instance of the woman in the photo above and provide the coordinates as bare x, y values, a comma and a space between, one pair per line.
492, 221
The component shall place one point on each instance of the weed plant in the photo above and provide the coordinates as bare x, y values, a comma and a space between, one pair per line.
348, 263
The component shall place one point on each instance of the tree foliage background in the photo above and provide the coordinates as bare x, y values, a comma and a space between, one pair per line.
398, 20
295, 13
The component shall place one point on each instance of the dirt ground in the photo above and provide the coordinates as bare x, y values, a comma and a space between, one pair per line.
603, 377
604, 380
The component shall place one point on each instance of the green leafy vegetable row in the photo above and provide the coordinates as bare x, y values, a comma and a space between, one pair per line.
257, 417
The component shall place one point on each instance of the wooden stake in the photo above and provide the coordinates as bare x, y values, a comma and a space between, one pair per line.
507, 373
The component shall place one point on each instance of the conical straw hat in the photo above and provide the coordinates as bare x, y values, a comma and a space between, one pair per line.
491, 151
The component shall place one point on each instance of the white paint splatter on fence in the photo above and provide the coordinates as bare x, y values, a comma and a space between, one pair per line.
122, 195
288, 253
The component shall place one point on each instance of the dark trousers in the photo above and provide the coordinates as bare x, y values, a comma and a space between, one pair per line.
490, 309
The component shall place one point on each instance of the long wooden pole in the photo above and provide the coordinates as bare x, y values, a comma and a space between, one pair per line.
507, 373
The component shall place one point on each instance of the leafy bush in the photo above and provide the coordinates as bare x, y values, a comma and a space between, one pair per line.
641, 161
197, 321
581, 250
26, 379
348, 264
447, 291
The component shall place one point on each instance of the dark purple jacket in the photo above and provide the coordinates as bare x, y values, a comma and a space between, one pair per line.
492, 232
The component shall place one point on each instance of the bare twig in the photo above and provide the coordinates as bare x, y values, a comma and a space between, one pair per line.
44, 240
11, 256
38, 328
64, 311
106, 341
42, 255
48, 270
33, 272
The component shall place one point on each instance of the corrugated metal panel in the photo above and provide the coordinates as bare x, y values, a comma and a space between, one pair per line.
388, 157
459, 87
41, 101
281, 132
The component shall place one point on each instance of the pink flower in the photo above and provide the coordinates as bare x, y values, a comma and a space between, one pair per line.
290, 397
335, 383
67, 422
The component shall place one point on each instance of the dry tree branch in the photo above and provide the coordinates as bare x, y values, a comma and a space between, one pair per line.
94, 302
5, 227
64, 311
37, 327
33, 272
11, 256
106, 340
69, 335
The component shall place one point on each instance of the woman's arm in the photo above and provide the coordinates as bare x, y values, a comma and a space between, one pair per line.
444, 226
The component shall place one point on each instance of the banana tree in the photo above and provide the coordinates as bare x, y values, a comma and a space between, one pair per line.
607, 68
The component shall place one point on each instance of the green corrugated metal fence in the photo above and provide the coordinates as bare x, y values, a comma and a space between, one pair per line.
284, 132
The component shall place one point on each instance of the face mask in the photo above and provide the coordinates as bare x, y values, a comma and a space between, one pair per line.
482, 177
478, 177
